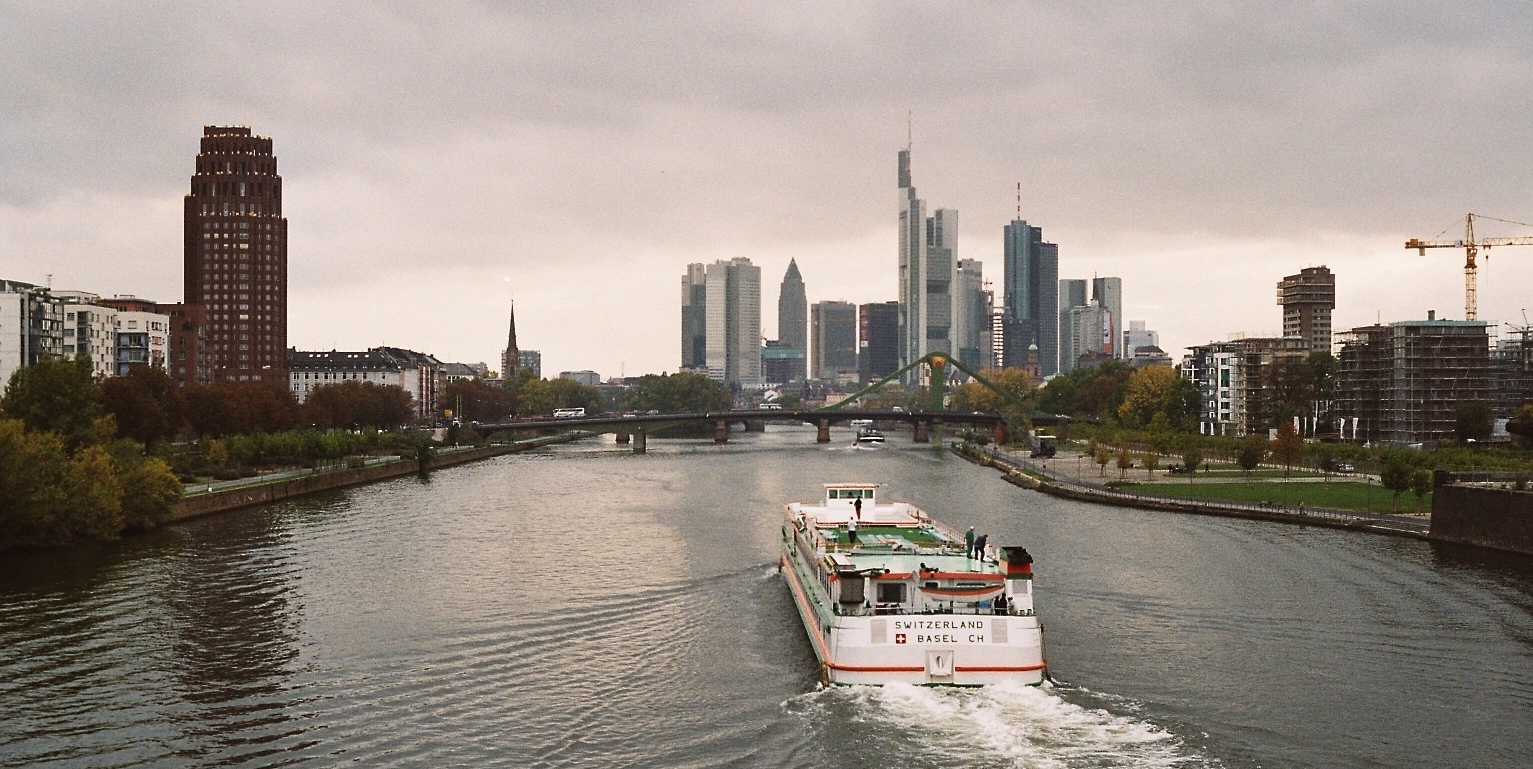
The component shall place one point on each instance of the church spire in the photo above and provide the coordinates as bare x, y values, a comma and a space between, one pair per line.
511, 367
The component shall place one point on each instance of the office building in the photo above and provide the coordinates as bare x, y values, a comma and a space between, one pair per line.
530, 361
1030, 298
1137, 336
971, 314
792, 326
1091, 334
928, 248
1109, 293
878, 341
832, 340
236, 254
1072, 294
732, 309
1308, 299
781, 364
585, 376
694, 319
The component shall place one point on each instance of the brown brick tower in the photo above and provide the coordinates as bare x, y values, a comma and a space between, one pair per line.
236, 254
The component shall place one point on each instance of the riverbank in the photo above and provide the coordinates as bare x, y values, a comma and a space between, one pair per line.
1020, 472
289, 486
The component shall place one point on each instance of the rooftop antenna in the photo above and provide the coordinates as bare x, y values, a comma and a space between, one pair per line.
1019, 200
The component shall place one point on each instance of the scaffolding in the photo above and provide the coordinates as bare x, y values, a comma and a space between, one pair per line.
1402, 384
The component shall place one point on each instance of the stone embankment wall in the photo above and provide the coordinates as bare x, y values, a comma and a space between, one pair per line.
1501, 519
1016, 475
274, 491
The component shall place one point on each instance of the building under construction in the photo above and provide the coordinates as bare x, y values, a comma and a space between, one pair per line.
1511, 373
1308, 299
1401, 384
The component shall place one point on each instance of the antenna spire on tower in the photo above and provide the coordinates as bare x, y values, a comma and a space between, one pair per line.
1019, 200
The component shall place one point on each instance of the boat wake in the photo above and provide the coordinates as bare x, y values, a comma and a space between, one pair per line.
1007, 724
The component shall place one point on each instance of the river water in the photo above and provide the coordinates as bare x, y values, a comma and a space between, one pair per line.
585, 607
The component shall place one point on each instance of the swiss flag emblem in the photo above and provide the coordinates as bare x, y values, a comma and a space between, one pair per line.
899, 638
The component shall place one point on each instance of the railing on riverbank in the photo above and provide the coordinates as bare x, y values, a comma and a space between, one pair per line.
1060, 484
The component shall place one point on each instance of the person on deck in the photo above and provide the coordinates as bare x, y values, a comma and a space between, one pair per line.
979, 545
857, 507
851, 531
968, 543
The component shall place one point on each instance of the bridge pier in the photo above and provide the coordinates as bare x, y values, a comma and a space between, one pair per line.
755, 425
720, 432
640, 442
923, 431
622, 438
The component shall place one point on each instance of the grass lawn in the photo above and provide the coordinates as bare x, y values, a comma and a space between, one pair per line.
1342, 495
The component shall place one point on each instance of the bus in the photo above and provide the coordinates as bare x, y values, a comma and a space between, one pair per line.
566, 413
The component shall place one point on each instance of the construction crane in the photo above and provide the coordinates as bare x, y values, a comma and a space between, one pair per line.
1471, 249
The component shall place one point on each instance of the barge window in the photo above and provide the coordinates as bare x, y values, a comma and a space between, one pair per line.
891, 592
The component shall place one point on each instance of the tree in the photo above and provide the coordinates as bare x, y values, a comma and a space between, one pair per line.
1151, 463
678, 393
1421, 485
146, 404
57, 395
1521, 425
1288, 449
1192, 455
975, 396
1396, 476
1252, 451
1125, 461
1472, 421
475, 401
237, 408
1146, 395
353, 404
1102, 457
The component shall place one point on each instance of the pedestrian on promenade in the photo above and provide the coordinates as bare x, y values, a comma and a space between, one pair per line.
1301, 507
968, 543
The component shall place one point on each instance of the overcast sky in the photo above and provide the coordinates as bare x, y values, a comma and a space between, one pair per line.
440, 158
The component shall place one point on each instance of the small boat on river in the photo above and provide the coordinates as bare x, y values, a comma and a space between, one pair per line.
889, 595
870, 435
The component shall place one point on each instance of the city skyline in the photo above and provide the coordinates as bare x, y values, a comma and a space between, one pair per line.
1182, 152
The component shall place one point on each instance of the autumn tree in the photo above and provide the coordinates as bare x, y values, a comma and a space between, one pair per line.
1395, 475
146, 403
57, 395
973, 395
237, 408
354, 404
473, 400
1192, 455
1288, 449
1125, 461
1158, 391
1252, 451
1102, 457
678, 394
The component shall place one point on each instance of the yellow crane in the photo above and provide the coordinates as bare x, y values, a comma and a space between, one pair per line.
1471, 249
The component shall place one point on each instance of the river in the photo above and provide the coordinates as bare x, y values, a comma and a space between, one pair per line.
585, 607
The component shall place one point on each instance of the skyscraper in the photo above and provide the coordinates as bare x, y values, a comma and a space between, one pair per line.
1307, 300
1109, 293
1031, 297
733, 311
793, 320
694, 319
236, 254
1072, 294
878, 341
833, 339
971, 314
928, 249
